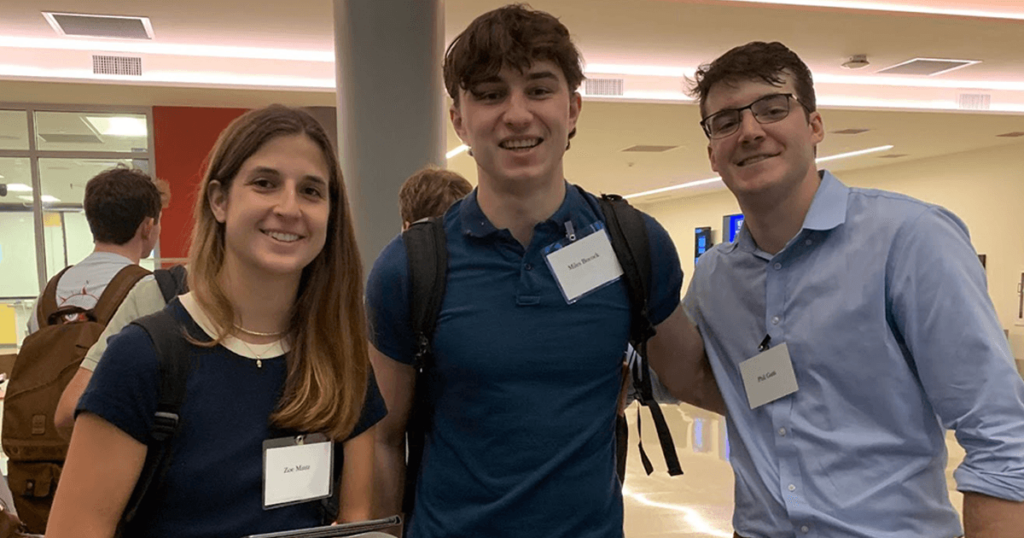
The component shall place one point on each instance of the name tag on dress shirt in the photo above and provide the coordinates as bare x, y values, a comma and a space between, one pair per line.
583, 266
297, 469
768, 376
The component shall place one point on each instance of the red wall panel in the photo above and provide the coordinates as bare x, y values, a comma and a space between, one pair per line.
182, 139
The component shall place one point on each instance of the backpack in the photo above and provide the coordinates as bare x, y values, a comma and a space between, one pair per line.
47, 361
427, 253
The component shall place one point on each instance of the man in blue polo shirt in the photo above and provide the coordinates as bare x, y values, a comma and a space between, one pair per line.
848, 329
528, 351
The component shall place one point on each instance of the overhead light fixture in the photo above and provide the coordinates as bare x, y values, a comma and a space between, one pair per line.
18, 187
719, 178
205, 51
118, 125
869, 5
46, 199
461, 149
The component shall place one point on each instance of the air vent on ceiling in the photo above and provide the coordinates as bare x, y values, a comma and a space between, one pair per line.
850, 131
649, 149
603, 86
64, 138
974, 101
112, 26
893, 156
117, 65
1015, 134
926, 66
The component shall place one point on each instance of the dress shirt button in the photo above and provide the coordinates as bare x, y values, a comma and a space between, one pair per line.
775, 320
778, 266
529, 267
809, 242
792, 487
805, 529
782, 432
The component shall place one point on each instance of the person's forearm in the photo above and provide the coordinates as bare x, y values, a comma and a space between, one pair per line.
676, 354
389, 478
991, 517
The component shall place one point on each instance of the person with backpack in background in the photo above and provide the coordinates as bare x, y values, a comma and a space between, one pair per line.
265, 359
122, 207
516, 389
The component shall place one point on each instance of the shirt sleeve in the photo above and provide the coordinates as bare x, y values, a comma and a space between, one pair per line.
666, 272
143, 299
939, 303
387, 304
374, 408
124, 388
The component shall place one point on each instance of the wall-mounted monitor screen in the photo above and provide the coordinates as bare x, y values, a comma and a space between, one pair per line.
731, 225
701, 242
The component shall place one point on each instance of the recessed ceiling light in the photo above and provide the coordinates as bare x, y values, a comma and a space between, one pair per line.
850, 131
1014, 134
649, 148
108, 26
118, 125
927, 66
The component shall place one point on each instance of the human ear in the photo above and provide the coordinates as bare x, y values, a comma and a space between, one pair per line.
217, 198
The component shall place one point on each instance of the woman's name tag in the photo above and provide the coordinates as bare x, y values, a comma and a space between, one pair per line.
297, 469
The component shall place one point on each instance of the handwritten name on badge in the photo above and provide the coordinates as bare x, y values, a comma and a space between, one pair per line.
577, 265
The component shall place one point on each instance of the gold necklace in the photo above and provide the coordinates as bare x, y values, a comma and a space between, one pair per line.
259, 356
257, 333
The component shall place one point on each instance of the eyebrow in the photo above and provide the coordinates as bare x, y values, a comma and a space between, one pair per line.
542, 75
272, 171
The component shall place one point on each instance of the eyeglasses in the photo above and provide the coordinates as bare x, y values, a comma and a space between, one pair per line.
767, 109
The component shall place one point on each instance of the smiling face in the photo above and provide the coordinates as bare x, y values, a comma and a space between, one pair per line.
764, 162
276, 209
518, 124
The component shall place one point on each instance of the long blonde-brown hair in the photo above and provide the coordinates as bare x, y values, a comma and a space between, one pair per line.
328, 363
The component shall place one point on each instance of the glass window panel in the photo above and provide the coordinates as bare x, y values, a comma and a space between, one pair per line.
13, 129
66, 233
16, 181
18, 255
91, 131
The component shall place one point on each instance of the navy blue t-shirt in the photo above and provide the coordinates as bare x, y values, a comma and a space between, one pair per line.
214, 485
524, 386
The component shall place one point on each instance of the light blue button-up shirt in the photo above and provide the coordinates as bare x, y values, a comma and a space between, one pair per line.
884, 307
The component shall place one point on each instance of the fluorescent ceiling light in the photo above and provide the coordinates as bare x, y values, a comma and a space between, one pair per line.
719, 178
118, 125
210, 51
18, 187
456, 151
900, 8
46, 198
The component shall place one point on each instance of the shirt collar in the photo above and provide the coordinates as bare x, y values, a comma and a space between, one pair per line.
827, 211
476, 224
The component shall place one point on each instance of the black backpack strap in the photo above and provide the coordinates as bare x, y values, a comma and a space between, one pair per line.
427, 252
174, 353
628, 233
173, 281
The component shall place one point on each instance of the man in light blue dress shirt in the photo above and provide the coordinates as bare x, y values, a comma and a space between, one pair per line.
847, 329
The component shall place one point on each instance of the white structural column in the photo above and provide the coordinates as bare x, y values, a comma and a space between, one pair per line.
391, 108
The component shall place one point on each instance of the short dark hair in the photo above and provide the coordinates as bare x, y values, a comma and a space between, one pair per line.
514, 36
117, 201
753, 61
430, 192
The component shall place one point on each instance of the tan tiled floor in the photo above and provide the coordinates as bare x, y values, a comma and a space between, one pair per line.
699, 503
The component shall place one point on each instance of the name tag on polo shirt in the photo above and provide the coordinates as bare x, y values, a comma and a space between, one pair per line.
297, 469
583, 265
768, 376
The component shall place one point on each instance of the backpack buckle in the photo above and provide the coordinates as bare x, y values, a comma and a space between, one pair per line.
165, 425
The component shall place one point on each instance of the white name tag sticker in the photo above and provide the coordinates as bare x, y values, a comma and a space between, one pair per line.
768, 376
584, 265
297, 469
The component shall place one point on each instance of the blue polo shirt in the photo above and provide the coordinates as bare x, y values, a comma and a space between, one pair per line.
524, 386
884, 309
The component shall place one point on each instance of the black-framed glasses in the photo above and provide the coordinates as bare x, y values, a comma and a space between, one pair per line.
768, 109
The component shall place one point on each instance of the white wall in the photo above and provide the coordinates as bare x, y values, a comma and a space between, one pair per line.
985, 188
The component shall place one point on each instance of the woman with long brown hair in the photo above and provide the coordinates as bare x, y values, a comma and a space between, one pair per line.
279, 378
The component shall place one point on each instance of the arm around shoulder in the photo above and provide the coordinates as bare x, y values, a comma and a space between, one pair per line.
676, 353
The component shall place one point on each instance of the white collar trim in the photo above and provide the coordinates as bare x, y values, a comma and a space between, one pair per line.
245, 349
